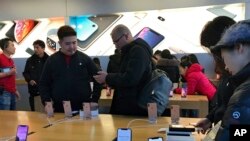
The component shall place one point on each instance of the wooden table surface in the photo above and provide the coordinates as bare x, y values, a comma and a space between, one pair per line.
101, 128
198, 102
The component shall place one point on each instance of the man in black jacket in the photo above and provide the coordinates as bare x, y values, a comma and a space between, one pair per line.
67, 74
235, 51
134, 69
33, 69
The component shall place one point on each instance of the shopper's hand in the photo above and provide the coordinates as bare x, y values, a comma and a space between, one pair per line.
101, 77
18, 96
12, 71
32, 82
204, 124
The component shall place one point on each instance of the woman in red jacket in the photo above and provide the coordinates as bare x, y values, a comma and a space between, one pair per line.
197, 82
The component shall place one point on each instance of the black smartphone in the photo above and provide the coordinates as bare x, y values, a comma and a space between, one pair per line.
124, 134
20, 29
103, 22
152, 37
155, 139
22, 132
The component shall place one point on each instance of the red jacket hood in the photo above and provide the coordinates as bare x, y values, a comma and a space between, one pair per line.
194, 68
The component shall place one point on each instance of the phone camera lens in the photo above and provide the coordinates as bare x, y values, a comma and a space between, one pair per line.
93, 25
161, 18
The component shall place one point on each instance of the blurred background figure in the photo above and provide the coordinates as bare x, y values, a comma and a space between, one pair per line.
114, 62
156, 56
32, 72
170, 65
97, 62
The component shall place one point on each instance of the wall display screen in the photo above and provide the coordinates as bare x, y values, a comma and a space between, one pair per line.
171, 29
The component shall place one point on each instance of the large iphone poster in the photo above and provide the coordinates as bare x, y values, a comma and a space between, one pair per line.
25, 31
175, 29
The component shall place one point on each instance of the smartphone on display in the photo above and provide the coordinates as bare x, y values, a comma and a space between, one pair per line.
49, 109
155, 139
124, 134
152, 112
67, 108
22, 132
20, 29
103, 22
175, 114
152, 37
83, 25
86, 110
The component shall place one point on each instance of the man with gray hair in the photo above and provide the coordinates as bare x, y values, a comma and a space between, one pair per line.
134, 70
235, 51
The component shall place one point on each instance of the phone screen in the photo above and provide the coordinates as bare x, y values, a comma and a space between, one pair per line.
83, 26
155, 139
103, 22
21, 29
152, 37
124, 134
22, 132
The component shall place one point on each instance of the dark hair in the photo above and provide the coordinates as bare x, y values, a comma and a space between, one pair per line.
40, 43
214, 29
166, 54
96, 61
211, 35
193, 58
65, 31
157, 52
185, 61
4, 43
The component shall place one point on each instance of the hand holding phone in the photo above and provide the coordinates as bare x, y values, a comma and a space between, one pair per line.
124, 134
155, 139
22, 132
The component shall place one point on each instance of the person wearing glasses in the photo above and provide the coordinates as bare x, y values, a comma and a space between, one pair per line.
134, 69
234, 48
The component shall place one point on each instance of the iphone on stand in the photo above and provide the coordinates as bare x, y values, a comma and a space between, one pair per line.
67, 108
152, 112
86, 110
49, 109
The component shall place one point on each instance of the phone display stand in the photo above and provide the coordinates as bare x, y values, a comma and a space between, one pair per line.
175, 114
87, 113
179, 133
152, 113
